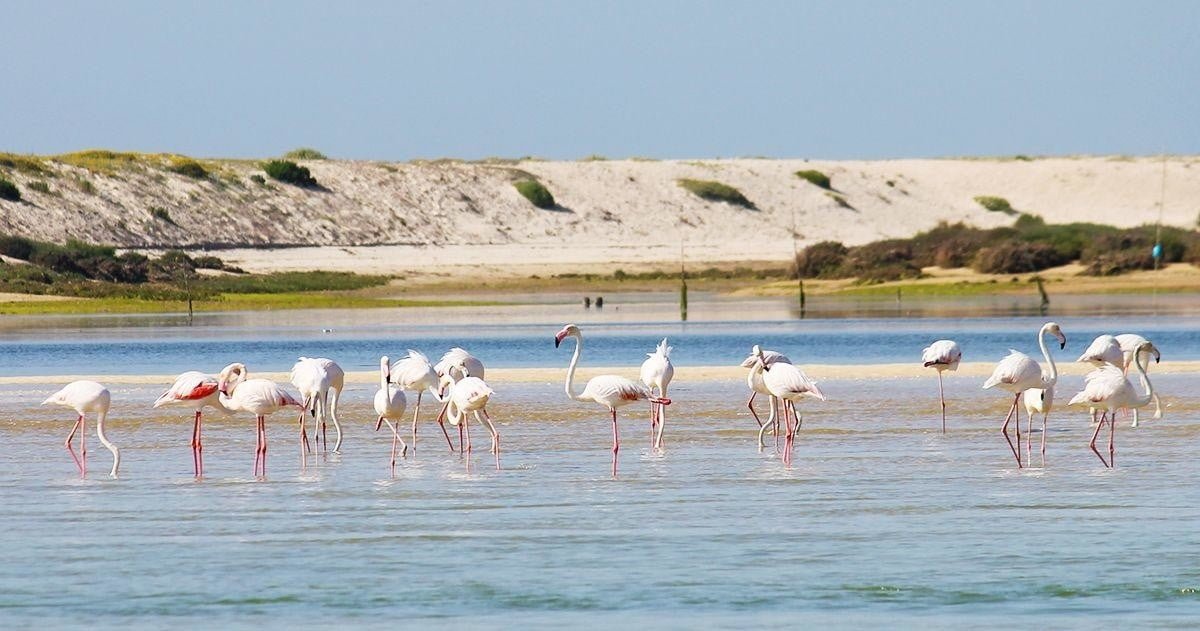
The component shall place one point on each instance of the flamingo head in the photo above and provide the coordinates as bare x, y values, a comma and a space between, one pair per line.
757, 354
230, 376
1149, 347
1053, 329
567, 331
385, 367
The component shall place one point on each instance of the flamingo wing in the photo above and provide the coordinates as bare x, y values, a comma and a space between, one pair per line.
190, 386
614, 391
942, 353
1105, 349
414, 372
769, 358
1014, 371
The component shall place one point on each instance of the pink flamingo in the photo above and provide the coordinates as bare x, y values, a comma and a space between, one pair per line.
415, 374
195, 390
942, 355
470, 395
455, 364
609, 391
315, 378
1017, 373
85, 397
657, 373
390, 403
754, 381
789, 384
1130, 343
259, 397
1109, 389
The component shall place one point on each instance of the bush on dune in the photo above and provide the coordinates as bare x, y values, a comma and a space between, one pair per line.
289, 172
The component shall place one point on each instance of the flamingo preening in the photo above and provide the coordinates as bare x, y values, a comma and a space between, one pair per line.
1109, 389
86, 397
789, 384
610, 391
657, 372
261, 398
455, 364
315, 377
1130, 343
466, 397
195, 390
942, 355
390, 403
1017, 373
415, 374
755, 382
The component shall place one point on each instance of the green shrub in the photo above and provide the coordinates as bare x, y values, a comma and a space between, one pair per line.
995, 204
39, 186
1115, 263
159, 212
304, 153
816, 178
258, 179
1017, 257
100, 160
881, 261
717, 192
25, 164
86, 185
289, 172
16, 247
9, 191
819, 260
536, 193
189, 168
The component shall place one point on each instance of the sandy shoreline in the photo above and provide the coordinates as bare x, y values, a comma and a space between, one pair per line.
682, 373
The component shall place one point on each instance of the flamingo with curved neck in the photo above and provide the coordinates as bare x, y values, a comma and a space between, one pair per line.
1017, 373
1109, 389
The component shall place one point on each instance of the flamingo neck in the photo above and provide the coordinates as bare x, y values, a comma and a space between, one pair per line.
1051, 377
571, 370
111, 447
383, 380
1145, 398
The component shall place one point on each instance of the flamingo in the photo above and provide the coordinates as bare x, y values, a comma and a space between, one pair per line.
314, 377
390, 403
942, 355
1129, 343
470, 395
1017, 373
789, 384
755, 381
1109, 389
415, 374
454, 365
609, 391
657, 372
1104, 350
195, 390
259, 397
85, 397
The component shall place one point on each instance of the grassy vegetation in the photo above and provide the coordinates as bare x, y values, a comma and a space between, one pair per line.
31, 165
304, 153
188, 168
717, 192
536, 193
101, 160
816, 178
840, 200
225, 302
995, 204
161, 213
9, 191
289, 172
40, 186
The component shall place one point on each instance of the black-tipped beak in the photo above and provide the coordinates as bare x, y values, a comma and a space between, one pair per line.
557, 341
1062, 345
379, 423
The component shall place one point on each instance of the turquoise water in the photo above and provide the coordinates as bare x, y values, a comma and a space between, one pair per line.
881, 519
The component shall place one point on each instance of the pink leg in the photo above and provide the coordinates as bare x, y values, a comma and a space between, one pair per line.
750, 404
1112, 430
616, 443
70, 437
416, 412
257, 447
466, 425
460, 437
262, 427
395, 436
787, 435
1043, 439
83, 443
942, 397
775, 405
303, 442
1004, 430
1096, 433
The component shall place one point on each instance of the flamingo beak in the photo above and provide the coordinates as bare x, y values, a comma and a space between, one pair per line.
558, 339
1157, 356
223, 388
1062, 341
379, 423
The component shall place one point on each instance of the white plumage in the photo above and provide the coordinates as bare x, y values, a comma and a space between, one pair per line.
1129, 343
657, 373
415, 374
260, 397
390, 404
1109, 389
456, 363
754, 380
315, 378
470, 395
1103, 350
195, 390
942, 355
1018, 373
86, 397
788, 383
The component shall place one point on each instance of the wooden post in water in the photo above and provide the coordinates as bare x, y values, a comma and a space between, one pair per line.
682, 286
1045, 306
801, 280
899, 305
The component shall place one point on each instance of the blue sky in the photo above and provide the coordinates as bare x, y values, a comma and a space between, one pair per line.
664, 79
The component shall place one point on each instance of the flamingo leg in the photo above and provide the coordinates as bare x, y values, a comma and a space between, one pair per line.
942, 397
198, 444
304, 432
1004, 430
416, 413
787, 437
1112, 430
616, 442
70, 437
662, 424
487, 420
83, 443
460, 438
320, 404
304, 443
762, 429
257, 447
1044, 415
466, 425
1096, 433
750, 404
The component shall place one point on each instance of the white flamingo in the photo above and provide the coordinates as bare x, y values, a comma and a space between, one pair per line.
315, 377
942, 355
657, 373
754, 381
610, 391
195, 390
469, 396
261, 398
86, 397
1109, 389
415, 374
1104, 350
454, 365
1017, 373
789, 384
390, 404
1129, 343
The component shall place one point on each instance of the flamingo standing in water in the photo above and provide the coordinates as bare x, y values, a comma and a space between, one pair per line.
942, 355
415, 374
86, 397
1109, 389
1130, 343
1017, 373
315, 377
1104, 350
657, 372
454, 365
789, 384
195, 390
259, 397
610, 391
469, 396
755, 381
390, 403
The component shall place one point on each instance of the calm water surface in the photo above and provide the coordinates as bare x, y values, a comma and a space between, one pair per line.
880, 519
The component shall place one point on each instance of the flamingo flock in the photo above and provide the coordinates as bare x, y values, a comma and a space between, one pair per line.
457, 382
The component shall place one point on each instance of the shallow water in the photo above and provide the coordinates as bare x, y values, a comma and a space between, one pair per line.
879, 516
